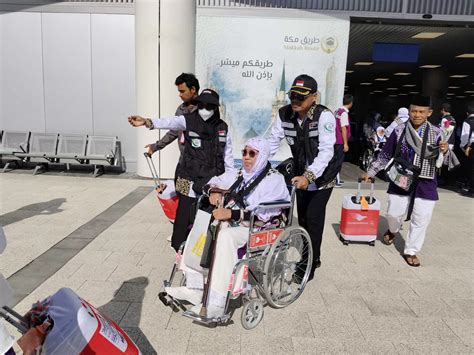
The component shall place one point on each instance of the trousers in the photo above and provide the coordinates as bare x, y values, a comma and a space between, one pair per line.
420, 219
185, 215
311, 206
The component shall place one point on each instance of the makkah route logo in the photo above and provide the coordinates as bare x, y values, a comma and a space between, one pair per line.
359, 217
329, 44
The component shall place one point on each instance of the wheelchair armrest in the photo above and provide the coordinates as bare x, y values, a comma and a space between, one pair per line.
274, 204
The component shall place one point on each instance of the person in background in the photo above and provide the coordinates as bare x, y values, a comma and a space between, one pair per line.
188, 88
467, 139
343, 129
444, 177
401, 118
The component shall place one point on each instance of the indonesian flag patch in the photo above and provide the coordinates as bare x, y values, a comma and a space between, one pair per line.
299, 83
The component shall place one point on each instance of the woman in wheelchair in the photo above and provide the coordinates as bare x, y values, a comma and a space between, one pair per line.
255, 183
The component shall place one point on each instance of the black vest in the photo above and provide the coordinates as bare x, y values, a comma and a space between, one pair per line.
204, 148
304, 142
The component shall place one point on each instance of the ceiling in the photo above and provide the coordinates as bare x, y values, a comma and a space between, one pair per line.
458, 39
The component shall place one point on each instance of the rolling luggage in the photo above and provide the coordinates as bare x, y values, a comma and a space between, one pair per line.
359, 217
165, 193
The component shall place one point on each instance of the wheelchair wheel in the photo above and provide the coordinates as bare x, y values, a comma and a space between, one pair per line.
252, 314
287, 267
367, 158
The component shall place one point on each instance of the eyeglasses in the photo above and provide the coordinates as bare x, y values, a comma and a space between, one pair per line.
206, 106
297, 97
251, 153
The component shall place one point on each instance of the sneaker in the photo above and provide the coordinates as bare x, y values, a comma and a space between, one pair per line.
338, 184
185, 294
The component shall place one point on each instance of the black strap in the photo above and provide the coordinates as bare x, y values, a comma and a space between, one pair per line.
238, 197
422, 157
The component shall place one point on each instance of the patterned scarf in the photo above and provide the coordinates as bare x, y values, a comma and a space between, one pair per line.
415, 142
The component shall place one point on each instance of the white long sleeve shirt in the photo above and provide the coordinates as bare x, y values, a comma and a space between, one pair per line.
327, 139
178, 123
465, 139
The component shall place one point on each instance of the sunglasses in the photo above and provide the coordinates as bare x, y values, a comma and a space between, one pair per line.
297, 97
206, 106
251, 153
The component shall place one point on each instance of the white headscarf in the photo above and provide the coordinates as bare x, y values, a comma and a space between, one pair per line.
263, 148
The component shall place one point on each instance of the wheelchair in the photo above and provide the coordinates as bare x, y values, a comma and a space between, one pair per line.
274, 269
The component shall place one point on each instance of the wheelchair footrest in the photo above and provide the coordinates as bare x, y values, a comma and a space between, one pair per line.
207, 321
169, 301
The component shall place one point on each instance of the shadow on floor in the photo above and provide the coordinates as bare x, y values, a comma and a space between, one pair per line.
125, 309
28, 211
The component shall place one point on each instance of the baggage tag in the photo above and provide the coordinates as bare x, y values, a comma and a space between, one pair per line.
364, 205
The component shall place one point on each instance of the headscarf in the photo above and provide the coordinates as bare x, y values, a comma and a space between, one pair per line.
263, 148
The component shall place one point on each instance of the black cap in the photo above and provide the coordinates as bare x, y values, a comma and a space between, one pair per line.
423, 101
208, 96
304, 85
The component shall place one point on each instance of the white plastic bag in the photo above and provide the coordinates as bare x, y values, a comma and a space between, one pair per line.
196, 240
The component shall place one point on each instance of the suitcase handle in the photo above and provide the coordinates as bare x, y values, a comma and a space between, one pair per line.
372, 183
158, 184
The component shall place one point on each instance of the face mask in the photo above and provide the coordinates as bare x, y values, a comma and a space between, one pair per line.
205, 114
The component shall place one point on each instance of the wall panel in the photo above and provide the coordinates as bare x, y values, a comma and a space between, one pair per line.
21, 72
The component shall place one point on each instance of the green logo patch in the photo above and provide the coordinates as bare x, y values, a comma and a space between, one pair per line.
329, 127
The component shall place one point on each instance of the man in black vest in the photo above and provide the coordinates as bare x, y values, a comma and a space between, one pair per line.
309, 130
207, 153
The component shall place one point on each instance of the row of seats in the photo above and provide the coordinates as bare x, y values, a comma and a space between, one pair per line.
46, 148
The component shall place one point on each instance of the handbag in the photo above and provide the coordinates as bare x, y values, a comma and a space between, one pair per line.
402, 173
287, 169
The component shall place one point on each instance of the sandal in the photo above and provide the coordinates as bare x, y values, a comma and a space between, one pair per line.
412, 260
388, 237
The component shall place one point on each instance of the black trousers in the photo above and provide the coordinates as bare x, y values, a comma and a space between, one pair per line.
311, 206
185, 215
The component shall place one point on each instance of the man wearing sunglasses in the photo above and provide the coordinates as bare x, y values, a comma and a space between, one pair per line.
309, 130
207, 153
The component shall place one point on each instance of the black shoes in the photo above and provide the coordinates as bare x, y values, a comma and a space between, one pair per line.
317, 264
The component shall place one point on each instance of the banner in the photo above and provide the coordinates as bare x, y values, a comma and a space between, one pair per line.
252, 61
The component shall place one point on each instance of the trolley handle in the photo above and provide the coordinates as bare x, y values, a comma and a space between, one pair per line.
152, 168
359, 180
372, 182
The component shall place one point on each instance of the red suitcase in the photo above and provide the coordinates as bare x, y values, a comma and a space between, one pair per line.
359, 221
